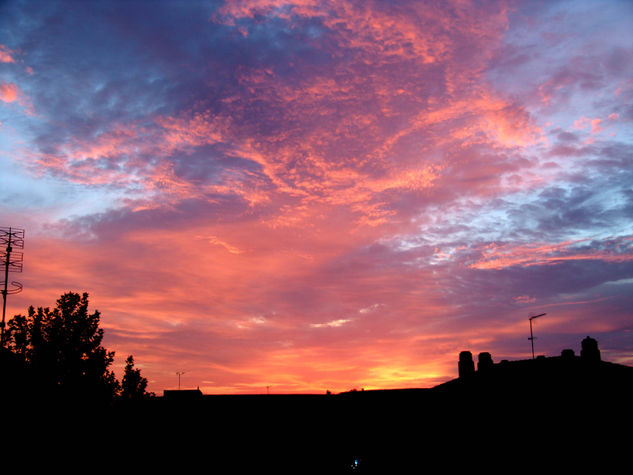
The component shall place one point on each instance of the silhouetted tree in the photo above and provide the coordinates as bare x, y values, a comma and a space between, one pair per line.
62, 348
133, 385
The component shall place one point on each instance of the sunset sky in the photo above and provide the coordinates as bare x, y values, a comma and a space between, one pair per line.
320, 195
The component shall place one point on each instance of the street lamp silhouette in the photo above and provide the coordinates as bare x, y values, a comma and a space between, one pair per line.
532, 337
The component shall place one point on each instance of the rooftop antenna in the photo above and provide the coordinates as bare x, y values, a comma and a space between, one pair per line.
12, 238
532, 337
179, 373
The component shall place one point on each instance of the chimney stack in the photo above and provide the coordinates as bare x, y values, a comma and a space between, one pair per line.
466, 364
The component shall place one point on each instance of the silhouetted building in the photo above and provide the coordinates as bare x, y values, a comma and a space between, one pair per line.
553, 368
568, 374
568, 354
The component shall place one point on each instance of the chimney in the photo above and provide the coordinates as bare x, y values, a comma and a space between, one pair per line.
484, 363
589, 351
466, 365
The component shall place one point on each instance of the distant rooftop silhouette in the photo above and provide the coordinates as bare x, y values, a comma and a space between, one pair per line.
541, 377
182, 394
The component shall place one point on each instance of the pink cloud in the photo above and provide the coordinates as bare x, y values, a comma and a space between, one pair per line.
6, 55
346, 160
9, 92
493, 256
524, 299
585, 122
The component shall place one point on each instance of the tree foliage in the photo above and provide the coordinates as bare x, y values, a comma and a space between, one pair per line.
62, 348
133, 385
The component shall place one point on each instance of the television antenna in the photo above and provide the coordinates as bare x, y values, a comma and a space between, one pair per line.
179, 373
532, 337
13, 238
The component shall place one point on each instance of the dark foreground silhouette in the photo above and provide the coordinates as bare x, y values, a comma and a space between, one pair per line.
557, 414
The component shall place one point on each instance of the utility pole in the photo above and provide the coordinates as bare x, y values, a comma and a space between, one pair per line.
13, 238
532, 337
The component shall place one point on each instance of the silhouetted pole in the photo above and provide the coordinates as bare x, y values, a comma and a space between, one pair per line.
7, 257
179, 373
531, 334
12, 237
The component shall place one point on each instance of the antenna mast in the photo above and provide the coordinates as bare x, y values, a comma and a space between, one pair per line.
12, 238
532, 337
179, 373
